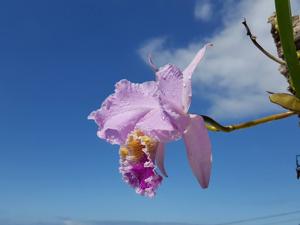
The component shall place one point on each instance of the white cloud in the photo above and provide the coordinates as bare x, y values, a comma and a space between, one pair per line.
72, 222
203, 10
234, 76
295, 4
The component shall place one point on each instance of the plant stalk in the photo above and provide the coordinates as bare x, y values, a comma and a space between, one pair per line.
286, 33
212, 125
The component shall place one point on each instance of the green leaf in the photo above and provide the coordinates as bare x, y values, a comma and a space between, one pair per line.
286, 101
286, 33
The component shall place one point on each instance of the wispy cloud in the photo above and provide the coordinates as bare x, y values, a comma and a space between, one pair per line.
85, 222
203, 10
74, 222
234, 76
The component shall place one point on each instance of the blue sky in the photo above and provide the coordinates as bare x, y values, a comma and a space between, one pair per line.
60, 59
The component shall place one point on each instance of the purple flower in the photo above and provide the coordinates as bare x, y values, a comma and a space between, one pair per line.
141, 118
136, 163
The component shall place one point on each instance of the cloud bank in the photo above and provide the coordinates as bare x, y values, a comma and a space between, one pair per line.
234, 76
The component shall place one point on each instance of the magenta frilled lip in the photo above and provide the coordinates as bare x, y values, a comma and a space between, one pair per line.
159, 109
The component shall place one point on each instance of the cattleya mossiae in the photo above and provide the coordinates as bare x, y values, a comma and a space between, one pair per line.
141, 118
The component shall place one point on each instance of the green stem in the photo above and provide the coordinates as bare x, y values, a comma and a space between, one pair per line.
284, 19
215, 126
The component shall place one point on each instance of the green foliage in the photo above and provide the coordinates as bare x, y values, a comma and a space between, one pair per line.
286, 101
283, 12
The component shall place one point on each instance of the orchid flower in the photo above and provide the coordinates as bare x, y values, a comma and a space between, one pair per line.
141, 118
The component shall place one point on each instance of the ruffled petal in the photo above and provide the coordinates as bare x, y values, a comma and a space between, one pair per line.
137, 166
198, 148
187, 78
117, 127
121, 111
134, 106
160, 158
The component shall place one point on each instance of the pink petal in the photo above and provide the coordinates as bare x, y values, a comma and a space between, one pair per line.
134, 106
160, 157
170, 84
157, 124
198, 149
121, 111
117, 127
187, 78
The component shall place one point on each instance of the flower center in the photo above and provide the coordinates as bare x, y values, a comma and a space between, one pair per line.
138, 146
